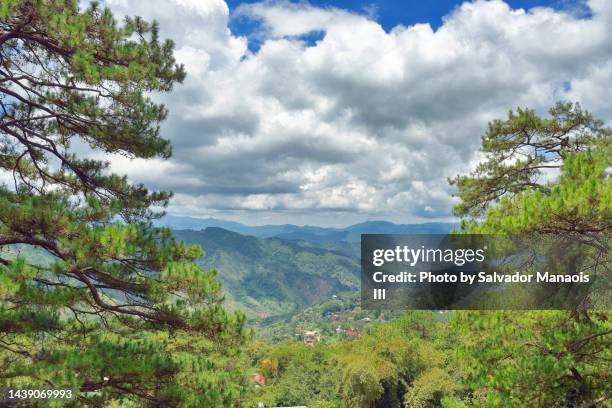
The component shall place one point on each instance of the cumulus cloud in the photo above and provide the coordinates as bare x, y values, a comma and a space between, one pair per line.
363, 123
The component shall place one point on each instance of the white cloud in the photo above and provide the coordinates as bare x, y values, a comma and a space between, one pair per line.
364, 123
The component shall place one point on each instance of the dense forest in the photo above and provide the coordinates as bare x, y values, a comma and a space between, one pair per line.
95, 299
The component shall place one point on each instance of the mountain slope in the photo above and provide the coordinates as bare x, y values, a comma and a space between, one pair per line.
268, 277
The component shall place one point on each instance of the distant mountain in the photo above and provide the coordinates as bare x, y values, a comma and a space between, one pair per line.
385, 227
307, 233
263, 277
179, 222
271, 276
262, 231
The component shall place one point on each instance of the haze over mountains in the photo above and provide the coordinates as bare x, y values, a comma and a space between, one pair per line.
306, 233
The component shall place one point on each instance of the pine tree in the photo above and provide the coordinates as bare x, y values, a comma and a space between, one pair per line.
92, 297
543, 358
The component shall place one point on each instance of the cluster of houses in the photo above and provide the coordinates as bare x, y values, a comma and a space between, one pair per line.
349, 332
312, 337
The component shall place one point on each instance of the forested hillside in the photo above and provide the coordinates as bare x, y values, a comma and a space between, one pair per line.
265, 277
336, 318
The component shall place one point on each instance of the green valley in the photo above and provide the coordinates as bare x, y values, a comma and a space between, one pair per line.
267, 277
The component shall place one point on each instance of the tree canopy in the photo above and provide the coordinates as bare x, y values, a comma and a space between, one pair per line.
543, 358
114, 308
521, 151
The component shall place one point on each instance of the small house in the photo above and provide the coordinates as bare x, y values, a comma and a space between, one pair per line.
312, 337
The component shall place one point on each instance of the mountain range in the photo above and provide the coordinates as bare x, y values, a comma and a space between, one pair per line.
274, 270
306, 233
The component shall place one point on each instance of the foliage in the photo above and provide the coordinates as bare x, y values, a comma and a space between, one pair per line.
543, 358
535, 358
429, 388
299, 374
117, 310
120, 312
520, 150
385, 368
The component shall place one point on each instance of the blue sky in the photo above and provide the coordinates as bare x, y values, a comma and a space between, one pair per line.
390, 13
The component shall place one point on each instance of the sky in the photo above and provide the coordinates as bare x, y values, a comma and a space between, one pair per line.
390, 14
334, 112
